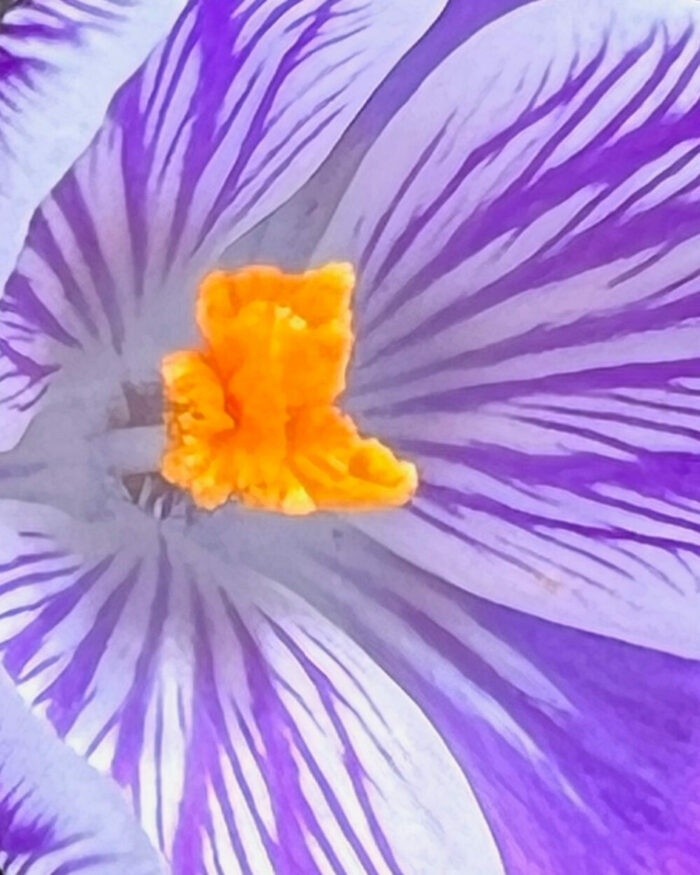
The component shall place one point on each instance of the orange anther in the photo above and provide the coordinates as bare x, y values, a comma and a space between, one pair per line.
252, 415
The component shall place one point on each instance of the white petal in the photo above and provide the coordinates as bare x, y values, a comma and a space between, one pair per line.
233, 113
244, 726
60, 65
56, 814
526, 233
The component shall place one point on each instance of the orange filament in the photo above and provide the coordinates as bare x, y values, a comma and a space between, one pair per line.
252, 415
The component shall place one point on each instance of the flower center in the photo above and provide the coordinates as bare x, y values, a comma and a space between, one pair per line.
252, 415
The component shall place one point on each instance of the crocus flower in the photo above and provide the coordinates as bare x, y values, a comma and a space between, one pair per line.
457, 633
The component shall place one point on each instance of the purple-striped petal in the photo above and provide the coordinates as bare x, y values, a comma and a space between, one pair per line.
525, 231
250, 734
583, 751
60, 63
58, 816
232, 114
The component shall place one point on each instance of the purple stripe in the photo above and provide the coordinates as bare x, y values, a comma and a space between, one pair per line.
132, 723
68, 694
70, 201
19, 67
615, 377
19, 834
622, 741
382, 222
135, 160
321, 16
158, 754
291, 810
219, 56
45, 245
602, 161
193, 815
19, 298
27, 644
328, 695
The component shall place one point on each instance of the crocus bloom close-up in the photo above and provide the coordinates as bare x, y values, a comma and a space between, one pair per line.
349, 437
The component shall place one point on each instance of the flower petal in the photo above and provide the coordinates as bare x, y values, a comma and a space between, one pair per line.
56, 814
290, 234
579, 747
60, 64
526, 236
251, 734
232, 114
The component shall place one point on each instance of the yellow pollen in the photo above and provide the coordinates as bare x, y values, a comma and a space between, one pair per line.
252, 415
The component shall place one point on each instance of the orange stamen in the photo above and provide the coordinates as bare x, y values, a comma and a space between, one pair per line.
252, 415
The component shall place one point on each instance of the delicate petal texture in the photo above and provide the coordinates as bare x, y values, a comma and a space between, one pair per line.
584, 751
251, 735
60, 63
292, 231
528, 315
58, 816
237, 108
